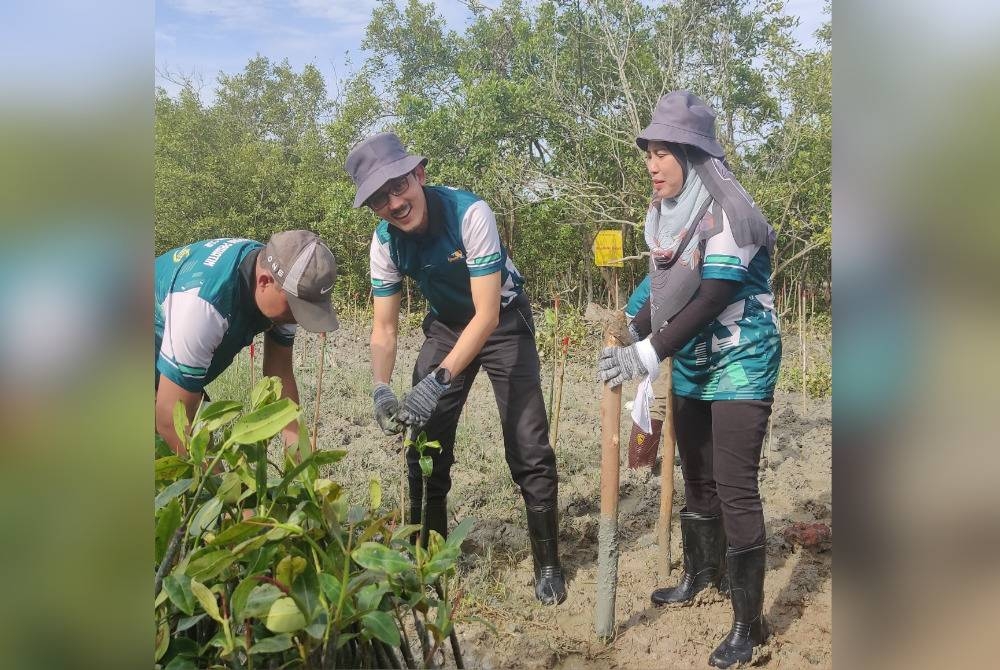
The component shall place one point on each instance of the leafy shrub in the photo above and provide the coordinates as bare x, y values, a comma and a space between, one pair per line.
265, 566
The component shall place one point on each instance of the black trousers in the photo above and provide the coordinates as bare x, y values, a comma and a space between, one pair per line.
510, 360
719, 443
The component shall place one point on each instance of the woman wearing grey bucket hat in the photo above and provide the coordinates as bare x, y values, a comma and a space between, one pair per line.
711, 309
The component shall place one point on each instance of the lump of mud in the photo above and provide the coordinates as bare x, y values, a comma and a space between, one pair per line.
813, 536
495, 534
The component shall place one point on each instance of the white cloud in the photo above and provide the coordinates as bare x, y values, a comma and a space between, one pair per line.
230, 13
354, 14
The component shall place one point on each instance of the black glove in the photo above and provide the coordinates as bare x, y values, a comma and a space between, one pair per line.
419, 403
385, 406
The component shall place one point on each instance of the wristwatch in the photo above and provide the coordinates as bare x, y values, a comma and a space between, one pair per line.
442, 376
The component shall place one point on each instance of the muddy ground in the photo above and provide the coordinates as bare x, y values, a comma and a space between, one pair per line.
497, 571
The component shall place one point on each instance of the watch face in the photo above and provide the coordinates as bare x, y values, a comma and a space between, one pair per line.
443, 376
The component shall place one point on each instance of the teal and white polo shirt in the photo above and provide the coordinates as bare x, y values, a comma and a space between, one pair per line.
462, 241
204, 310
736, 357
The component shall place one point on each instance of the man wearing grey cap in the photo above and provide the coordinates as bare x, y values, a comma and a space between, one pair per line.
212, 297
447, 241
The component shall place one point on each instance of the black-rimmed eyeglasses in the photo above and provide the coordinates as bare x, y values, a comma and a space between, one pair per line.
396, 186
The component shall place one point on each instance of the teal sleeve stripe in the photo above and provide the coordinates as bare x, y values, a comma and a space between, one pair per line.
485, 260
724, 272
188, 370
385, 290
721, 259
484, 270
174, 375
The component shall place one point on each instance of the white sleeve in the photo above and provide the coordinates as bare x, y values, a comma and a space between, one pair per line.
483, 253
724, 259
192, 331
385, 276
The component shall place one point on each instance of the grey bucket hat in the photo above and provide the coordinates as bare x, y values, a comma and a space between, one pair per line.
306, 271
684, 118
375, 161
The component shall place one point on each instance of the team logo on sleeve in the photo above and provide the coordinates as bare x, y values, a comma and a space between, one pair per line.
181, 254
456, 255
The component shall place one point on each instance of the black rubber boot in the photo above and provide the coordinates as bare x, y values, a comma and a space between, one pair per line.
750, 629
704, 541
437, 517
543, 527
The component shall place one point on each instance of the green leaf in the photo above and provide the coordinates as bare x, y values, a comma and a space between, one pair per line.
381, 626
205, 517
169, 468
241, 531
272, 645
284, 617
426, 465
289, 568
264, 391
171, 492
238, 601
331, 588
374, 556
328, 456
181, 422
206, 599
306, 592
181, 663
318, 458
199, 445
374, 494
230, 488
187, 622
178, 588
216, 414
317, 629
264, 423
259, 601
403, 533
457, 536
162, 639
168, 520
210, 565
370, 596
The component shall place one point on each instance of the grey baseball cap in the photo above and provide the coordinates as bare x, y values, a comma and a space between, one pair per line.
684, 118
375, 161
306, 270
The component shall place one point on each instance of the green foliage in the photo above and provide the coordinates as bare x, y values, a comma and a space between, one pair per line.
535, 107
266, 567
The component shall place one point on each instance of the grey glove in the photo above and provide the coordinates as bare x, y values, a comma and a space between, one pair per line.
616, 364
419, 403
386, 405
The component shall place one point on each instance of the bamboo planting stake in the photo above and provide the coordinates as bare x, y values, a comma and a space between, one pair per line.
802, 341
607, 552
559, 387
666, 475
319, 387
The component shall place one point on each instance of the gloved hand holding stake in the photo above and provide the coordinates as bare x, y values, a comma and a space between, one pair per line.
617, 364
419, 403
386, 405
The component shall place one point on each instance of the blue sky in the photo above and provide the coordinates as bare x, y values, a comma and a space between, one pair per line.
204, 37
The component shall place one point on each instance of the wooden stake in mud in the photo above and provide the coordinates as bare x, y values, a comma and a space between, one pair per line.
607, 531
319, 387
666, 474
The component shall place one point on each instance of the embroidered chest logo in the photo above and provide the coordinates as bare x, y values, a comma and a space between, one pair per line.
456, 255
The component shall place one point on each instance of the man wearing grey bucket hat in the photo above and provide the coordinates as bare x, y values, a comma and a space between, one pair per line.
711, 310
447, 241
213, 297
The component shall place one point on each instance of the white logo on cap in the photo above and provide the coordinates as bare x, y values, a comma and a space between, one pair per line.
326, 290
